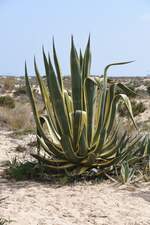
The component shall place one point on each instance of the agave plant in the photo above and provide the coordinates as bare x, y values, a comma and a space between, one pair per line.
146, 157
126, 172
79, 130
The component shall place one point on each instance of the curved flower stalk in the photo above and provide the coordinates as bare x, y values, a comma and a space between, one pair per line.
82, 130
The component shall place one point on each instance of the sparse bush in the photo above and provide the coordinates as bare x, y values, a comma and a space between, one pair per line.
148, 90
18, 118
21, 171
20, 148
9, 84
4, 221
7, 101
146, 82
136, 82
20, 91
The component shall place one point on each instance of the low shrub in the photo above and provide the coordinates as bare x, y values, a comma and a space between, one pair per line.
9, 84
20, 91
148, 90
7, 101
21, 171
4, 221
20, 148
19, 118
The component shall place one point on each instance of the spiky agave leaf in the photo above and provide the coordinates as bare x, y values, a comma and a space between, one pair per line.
127, 173
76, 79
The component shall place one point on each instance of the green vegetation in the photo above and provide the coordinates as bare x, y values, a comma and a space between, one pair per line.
18, 119
21, 171
79, 132
20, 91
146, 171
126, 172
9, 84
148, 90
7, 101
4, 221
130, 93
137, 108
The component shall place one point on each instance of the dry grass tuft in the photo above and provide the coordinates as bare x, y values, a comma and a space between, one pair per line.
7, 101
9, 84
19, 118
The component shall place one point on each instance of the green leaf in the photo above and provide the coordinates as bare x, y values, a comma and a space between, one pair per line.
53, 148
79, 120
58, 69
90, 99
127, 103
76, 79
86, 62
69, 151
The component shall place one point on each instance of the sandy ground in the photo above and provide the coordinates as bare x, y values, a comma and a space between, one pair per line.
31, 203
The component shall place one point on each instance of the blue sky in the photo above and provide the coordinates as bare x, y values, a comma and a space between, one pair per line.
120, 30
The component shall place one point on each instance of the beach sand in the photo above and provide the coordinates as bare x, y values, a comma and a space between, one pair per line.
33, 203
